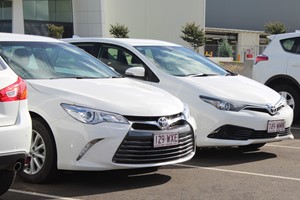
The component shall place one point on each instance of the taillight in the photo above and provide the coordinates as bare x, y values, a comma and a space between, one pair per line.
261, 58
14, 92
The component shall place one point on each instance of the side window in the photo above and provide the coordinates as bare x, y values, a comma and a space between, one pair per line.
119, 58
91, 48
290, 45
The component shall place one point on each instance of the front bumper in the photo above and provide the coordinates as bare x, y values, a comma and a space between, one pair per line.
226, 128
109, 146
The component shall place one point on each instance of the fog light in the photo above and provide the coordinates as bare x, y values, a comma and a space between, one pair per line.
87, 147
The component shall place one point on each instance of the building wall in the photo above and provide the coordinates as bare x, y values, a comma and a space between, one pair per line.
248, 45
153, 19
17, 17
88, 18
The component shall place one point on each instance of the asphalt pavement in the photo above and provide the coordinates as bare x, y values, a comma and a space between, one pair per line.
273, 172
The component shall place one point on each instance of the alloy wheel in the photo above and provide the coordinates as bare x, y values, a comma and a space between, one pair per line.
37, 153
289, 99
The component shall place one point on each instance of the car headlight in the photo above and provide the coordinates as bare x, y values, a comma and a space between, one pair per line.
92, 116
186, 111
223, 104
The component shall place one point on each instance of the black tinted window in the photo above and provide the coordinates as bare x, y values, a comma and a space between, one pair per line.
290, 45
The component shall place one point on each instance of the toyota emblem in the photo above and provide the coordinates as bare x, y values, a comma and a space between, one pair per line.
272, 109
163, 123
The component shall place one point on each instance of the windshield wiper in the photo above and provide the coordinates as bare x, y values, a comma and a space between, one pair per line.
200, 75
76, 77
229, 73
118, 76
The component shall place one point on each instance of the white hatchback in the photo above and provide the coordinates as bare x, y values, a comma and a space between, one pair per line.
15, 125
279, 68
230, 110
85, 116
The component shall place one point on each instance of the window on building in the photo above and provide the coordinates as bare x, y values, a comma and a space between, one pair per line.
39, 13
5, 16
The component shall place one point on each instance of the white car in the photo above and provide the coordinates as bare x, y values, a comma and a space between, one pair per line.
85, 116
229, 109
15, 126
279, 68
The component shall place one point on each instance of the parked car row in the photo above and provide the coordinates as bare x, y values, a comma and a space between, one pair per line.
83, 114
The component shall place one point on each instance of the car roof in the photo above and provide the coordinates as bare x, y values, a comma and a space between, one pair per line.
285, 35
128, 41
24, 37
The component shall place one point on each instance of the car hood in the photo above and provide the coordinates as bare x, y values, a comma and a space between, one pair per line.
237, 88
117, 95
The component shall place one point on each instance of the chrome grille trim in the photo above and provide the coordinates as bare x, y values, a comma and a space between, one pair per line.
137, 146
152, 123
266, 108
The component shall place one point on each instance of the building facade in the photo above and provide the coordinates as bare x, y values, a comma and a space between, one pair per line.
153, 19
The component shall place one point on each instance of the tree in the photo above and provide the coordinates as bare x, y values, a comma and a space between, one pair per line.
275, 27
55, 31
119, 31
224, 49
193, 35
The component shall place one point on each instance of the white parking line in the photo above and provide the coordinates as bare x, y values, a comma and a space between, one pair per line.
41, 195
272, 145
240, 172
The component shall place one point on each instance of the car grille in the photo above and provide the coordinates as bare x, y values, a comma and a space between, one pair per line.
229, 132
137, 146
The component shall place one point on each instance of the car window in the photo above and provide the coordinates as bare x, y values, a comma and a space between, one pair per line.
119, 58
91, 48
290, 45
179, 61
36, 60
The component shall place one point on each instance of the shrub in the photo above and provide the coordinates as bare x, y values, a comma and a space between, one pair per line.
275, 27
55, 31
119, 31
224, 49
193, 35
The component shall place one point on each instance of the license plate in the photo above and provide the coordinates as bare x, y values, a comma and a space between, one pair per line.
276, 126
165, 139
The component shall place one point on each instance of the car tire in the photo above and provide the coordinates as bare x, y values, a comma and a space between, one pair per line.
252, 147
43, 164
292, 96
7, 178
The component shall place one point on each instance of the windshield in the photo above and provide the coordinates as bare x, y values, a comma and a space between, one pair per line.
180, 61
42, 60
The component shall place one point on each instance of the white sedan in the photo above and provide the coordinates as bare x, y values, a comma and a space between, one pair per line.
15, 126
85, 116
230, 110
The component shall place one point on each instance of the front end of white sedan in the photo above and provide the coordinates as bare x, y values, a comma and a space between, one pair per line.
229, 109
156, 131
237, 111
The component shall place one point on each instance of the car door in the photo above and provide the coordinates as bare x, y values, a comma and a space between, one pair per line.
293, 61
121, 59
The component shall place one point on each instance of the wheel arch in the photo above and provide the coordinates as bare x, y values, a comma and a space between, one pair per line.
283, 79
34, 115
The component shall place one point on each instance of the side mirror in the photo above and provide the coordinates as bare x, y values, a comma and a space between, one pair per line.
135, 71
